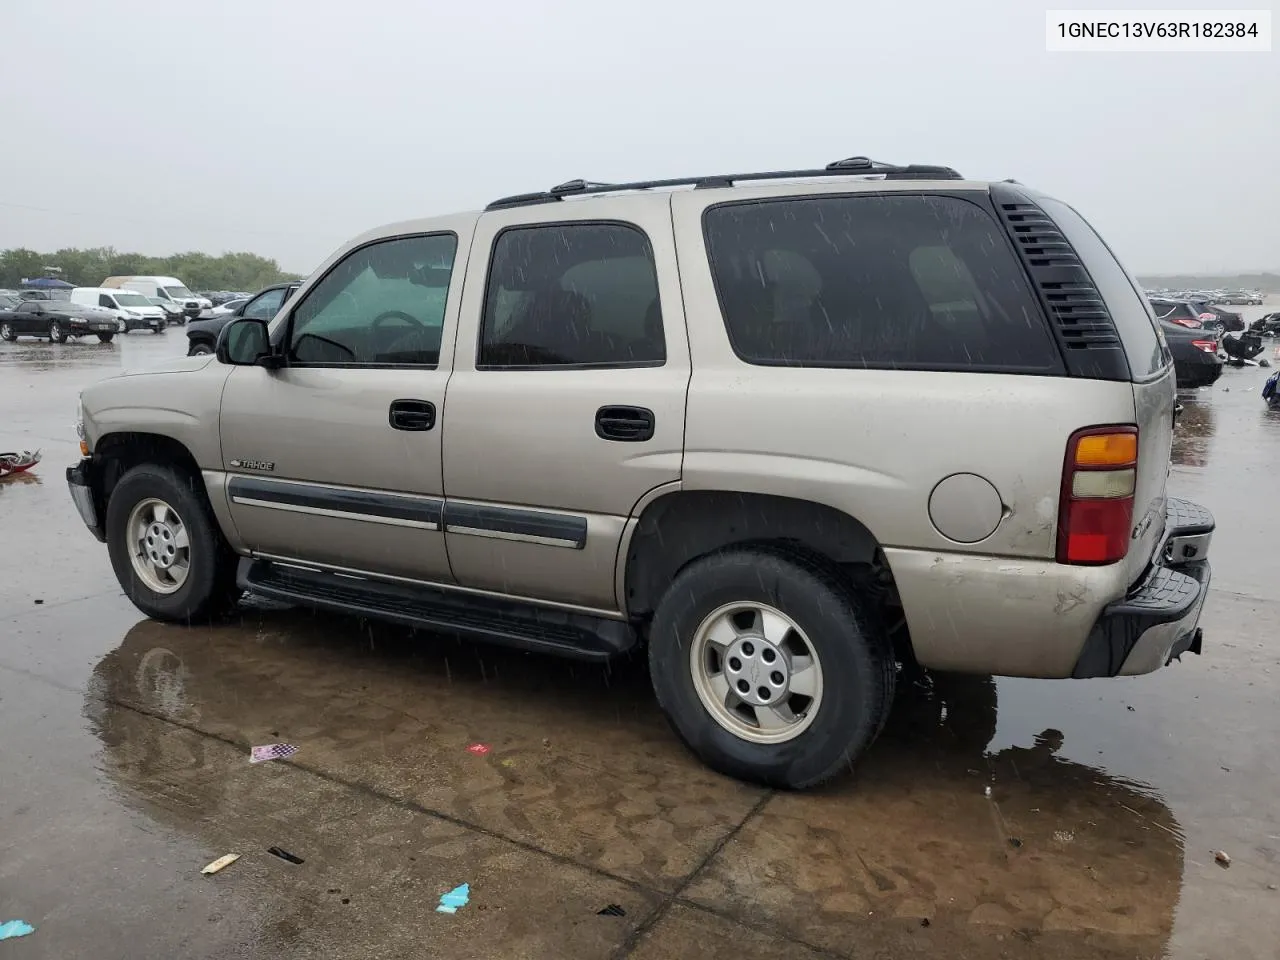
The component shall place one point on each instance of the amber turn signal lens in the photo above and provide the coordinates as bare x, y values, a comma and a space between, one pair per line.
84, 449
1107, 450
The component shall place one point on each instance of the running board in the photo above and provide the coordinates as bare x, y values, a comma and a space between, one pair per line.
564, 633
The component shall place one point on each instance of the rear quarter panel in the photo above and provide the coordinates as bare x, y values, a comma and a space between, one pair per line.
875, 443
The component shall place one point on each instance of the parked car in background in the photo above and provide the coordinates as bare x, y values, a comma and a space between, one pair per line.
132, 310
56, 320
1268, 325
173, 312
1195, 354
202, 335
170, 289
1224, 320
229, 306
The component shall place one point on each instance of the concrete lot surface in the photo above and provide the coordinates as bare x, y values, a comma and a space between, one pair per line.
124, 770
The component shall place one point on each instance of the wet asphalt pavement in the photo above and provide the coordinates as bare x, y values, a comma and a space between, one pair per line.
124, 742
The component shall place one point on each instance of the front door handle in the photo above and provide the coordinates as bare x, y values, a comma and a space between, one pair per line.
627, 424
412, 415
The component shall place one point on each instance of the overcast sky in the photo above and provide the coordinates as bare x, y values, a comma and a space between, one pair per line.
286, 126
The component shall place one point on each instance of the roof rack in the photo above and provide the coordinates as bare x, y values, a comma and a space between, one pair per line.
850, 167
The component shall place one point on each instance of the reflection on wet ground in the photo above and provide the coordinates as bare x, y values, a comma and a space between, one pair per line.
583, 769
1106, 798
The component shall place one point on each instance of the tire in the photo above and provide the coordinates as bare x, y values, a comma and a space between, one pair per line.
56, 333
208, 590
106, 337
857, 667
199, 349
7, 332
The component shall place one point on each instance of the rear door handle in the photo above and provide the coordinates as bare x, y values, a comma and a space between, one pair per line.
412, 415
626, 424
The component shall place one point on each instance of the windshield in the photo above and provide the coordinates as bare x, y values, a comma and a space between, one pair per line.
132, 300
176, 292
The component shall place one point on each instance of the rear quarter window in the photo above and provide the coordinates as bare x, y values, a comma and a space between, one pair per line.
905, 281
1129, 309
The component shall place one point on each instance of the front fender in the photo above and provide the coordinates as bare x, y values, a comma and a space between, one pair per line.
180, 401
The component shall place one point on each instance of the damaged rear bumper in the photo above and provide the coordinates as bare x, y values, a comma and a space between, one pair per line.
1159, 619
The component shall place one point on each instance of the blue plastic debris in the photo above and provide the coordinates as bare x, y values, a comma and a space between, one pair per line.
16, 928
455, 898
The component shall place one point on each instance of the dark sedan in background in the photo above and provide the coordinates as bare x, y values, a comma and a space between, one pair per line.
56, 320
1195, 354
202, 335
1225, 321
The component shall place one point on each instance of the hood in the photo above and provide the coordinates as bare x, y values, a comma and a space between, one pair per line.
173, 365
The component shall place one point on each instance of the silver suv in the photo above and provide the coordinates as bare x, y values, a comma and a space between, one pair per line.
792, 431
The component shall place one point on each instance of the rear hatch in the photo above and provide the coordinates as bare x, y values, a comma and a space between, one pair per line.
1142, 357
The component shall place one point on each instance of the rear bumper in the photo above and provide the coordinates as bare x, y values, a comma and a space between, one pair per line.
1159, 619
80, 483
1200, 371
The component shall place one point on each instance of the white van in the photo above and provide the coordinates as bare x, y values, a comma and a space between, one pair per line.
130, 308
170, 290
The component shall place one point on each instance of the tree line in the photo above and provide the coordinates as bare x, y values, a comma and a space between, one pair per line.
88, 268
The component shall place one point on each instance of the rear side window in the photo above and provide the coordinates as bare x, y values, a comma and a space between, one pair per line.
1174, 311
1128, 308
905, 281
572, 295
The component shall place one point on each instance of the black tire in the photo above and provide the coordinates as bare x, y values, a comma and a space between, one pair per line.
200, 348
7, 332
858, 666
209, 591
106, 337
56, 333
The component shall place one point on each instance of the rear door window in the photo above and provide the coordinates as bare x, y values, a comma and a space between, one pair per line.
1122, 293
879, 281
572, 295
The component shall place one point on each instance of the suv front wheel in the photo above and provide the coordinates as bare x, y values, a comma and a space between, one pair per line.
768, 668
166, 548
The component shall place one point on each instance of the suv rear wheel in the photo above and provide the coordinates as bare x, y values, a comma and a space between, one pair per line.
768, 668
166, 548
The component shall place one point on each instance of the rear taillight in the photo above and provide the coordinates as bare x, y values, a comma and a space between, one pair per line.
1208, 346
1187, 322
1098, 480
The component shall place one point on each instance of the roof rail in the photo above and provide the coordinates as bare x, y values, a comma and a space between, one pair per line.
850, 167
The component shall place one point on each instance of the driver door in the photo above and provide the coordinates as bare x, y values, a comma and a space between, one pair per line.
334, 459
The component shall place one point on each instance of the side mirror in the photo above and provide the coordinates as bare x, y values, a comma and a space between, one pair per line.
246, 343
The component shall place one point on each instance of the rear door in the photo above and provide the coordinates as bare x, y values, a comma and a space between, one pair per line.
567, 400
1151, 365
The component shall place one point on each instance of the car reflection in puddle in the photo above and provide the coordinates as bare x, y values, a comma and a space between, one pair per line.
1058, 858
